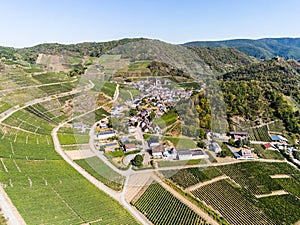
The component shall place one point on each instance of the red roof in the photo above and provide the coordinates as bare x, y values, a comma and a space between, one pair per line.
130, 146
268, 145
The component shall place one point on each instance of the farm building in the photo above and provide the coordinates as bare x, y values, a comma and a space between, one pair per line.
215, 147
191, 154
106, 134
279, 138
157, 151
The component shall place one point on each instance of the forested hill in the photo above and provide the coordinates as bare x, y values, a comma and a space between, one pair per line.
281, 74
288, 48
223, 60
92, 49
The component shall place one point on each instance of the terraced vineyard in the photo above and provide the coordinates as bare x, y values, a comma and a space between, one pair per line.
191, 176
228, 200
161, 207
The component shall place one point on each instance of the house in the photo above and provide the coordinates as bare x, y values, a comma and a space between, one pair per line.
279, 138
129, 147
215, 147
269, 146
105, 134
153, 142
157, 151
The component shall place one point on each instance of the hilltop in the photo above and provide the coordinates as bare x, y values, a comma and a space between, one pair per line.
288, 48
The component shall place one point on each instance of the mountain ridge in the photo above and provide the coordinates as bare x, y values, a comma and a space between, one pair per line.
264, 48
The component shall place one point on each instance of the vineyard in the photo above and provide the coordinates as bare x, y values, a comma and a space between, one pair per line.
251, 176
161, 207
191, 176
52, 192
227, 200
259, 133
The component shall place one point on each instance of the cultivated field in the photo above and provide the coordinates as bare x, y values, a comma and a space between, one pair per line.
161, 207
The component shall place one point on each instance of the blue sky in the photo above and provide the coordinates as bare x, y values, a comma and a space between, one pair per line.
30, 22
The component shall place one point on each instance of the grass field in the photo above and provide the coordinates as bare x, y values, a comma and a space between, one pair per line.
69, 139
166, 120
102, 172
168, 163
105, 87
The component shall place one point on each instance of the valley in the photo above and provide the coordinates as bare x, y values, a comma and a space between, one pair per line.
139, 131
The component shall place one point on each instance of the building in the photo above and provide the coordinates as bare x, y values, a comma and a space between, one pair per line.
245, 154
279, 138
153, 142
157, 151
110, 147
105, 134
238, 135
191, 154
129, 147
269, 146
215, 147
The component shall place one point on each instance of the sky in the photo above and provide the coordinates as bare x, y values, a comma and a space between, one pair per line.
26, 23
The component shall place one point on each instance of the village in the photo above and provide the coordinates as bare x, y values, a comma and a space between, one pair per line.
131, 129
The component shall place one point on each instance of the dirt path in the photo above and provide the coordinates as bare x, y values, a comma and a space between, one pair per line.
196, 186
187, 202
80, 154
280, 176
279, 192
